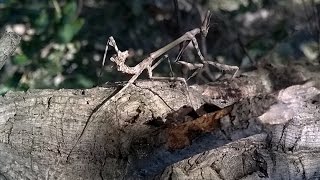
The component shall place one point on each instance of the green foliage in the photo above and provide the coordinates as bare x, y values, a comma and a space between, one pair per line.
70, 24
44, 55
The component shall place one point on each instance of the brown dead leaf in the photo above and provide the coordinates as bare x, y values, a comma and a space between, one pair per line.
181, 135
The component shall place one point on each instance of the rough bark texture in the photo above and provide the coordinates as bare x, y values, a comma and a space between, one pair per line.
289, 148
269, 129
8, 44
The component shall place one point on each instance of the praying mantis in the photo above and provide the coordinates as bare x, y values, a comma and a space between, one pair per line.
149, 64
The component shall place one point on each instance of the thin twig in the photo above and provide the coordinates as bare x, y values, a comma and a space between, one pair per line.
244, 49
308, 16
317, 24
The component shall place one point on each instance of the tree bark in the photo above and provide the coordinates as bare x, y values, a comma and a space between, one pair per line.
287, 149
268, 128
8, 44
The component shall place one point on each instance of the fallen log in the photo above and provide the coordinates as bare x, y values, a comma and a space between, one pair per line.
128, 138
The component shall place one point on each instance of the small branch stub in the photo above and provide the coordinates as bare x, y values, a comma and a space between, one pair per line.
8, 44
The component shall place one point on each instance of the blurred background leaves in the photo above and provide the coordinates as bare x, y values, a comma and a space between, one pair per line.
63, 40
